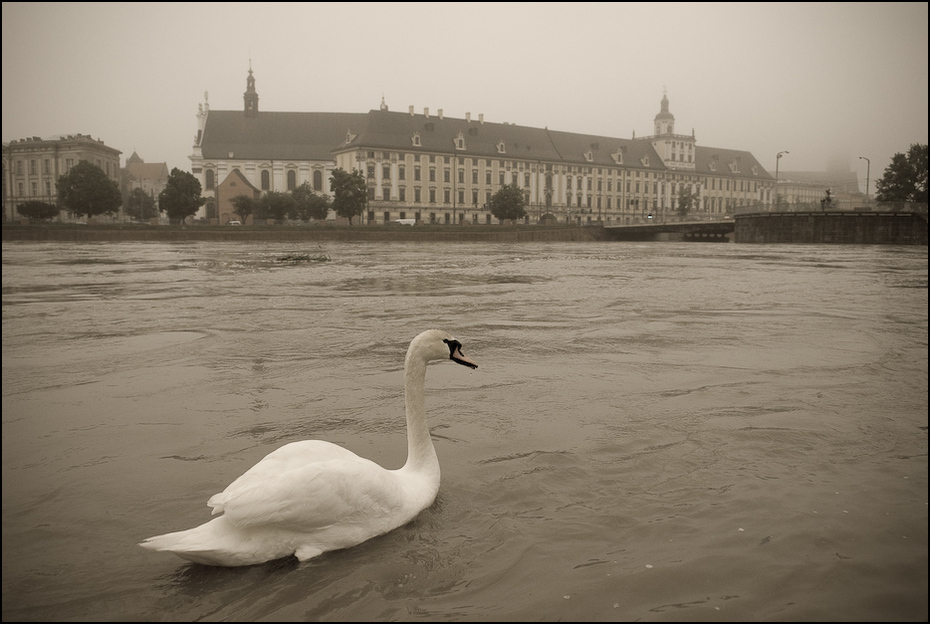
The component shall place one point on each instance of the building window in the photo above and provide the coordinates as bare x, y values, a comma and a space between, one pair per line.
432, 174
317, 180
474, 176
403, 194
487, 177
461, 196
416, 195
371, 171
446, 176
291, 180
371, 192
474, 197
211, 179
445, 196
386, 172
266, 180
461, 176
48, 187
401, 172
386, 194
432, 196
416, 173
33, 166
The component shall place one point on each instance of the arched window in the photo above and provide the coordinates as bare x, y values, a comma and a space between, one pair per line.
318, 180
211, 179
266, 180
291, 180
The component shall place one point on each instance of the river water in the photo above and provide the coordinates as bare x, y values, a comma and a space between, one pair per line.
656, 431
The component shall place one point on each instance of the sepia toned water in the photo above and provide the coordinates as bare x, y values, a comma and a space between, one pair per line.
655, 432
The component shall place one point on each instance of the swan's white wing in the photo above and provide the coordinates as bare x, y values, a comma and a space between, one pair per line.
309, 485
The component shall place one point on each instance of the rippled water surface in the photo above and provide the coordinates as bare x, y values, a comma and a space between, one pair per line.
656, 431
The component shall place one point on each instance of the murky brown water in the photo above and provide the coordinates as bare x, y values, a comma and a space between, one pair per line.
656, 432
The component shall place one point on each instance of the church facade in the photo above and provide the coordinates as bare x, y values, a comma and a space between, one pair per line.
439, 169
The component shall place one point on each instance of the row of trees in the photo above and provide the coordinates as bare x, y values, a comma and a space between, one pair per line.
87, 191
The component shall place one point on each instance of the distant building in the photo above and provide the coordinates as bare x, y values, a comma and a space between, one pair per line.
439, 169
805, 189
32, 166
150, 177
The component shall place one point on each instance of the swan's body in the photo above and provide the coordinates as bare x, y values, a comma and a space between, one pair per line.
309, 497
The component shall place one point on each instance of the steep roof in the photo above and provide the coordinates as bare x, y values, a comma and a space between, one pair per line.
734, 163
396, 131
147, 171
274, 135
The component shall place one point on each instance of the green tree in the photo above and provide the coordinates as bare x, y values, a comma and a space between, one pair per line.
350, 193
86, 190
38, 210
181, 197
308, 205
508, 203
686, 201
140, 205
244, 205
905, 179
275, 205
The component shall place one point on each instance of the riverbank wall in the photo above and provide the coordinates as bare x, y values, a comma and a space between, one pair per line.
115, 233
861, 228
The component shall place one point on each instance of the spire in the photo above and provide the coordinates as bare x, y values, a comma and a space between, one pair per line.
664, 121
250, 96
384, 105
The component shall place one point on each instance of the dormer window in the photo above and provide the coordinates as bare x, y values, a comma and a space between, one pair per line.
618, 157
589, 156
460, 141
645, 161
755, 171
415, 139
501, 148
713, 166
350, 137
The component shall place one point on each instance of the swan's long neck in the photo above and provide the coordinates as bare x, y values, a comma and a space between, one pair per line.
421, 456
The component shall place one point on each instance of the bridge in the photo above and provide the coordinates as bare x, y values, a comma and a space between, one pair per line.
718, 231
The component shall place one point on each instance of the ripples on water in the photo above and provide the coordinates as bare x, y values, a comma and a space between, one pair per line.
656, 431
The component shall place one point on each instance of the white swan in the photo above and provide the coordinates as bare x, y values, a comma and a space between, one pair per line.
310, 497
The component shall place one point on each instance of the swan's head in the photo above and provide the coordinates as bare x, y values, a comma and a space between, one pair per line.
435, 344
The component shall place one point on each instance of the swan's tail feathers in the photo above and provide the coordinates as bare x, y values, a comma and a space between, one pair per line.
217, 543
202, 544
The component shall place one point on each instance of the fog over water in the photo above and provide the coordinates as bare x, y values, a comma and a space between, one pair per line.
655, 432
820, 80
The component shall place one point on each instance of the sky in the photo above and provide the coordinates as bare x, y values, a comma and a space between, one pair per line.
821, 81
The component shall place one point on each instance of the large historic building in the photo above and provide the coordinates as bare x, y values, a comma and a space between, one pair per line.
32, 166
440, 169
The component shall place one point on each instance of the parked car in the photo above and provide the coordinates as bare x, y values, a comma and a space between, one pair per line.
234, 223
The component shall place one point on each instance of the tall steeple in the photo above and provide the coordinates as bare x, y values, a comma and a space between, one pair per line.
665, 121
250, 96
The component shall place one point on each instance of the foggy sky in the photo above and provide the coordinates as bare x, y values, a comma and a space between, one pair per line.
820, 80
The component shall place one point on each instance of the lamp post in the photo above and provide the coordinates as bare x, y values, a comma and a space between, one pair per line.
868, 167
777, 160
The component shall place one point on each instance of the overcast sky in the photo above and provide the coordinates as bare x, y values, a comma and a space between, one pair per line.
819, 80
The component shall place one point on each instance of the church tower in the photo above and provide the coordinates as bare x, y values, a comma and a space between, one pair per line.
250, 96
665, 121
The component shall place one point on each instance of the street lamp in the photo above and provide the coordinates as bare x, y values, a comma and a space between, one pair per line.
777, 160
868, 167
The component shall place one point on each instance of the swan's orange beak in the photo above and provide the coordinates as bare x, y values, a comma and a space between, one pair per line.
457, 356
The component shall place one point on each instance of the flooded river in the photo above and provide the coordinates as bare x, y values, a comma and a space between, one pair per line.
655, 432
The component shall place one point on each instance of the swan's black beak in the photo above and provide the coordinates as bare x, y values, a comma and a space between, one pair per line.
455, 354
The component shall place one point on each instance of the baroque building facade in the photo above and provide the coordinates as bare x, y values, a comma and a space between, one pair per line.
440, 169
32, 166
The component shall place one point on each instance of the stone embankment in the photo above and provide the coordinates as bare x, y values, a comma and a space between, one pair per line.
114, 233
